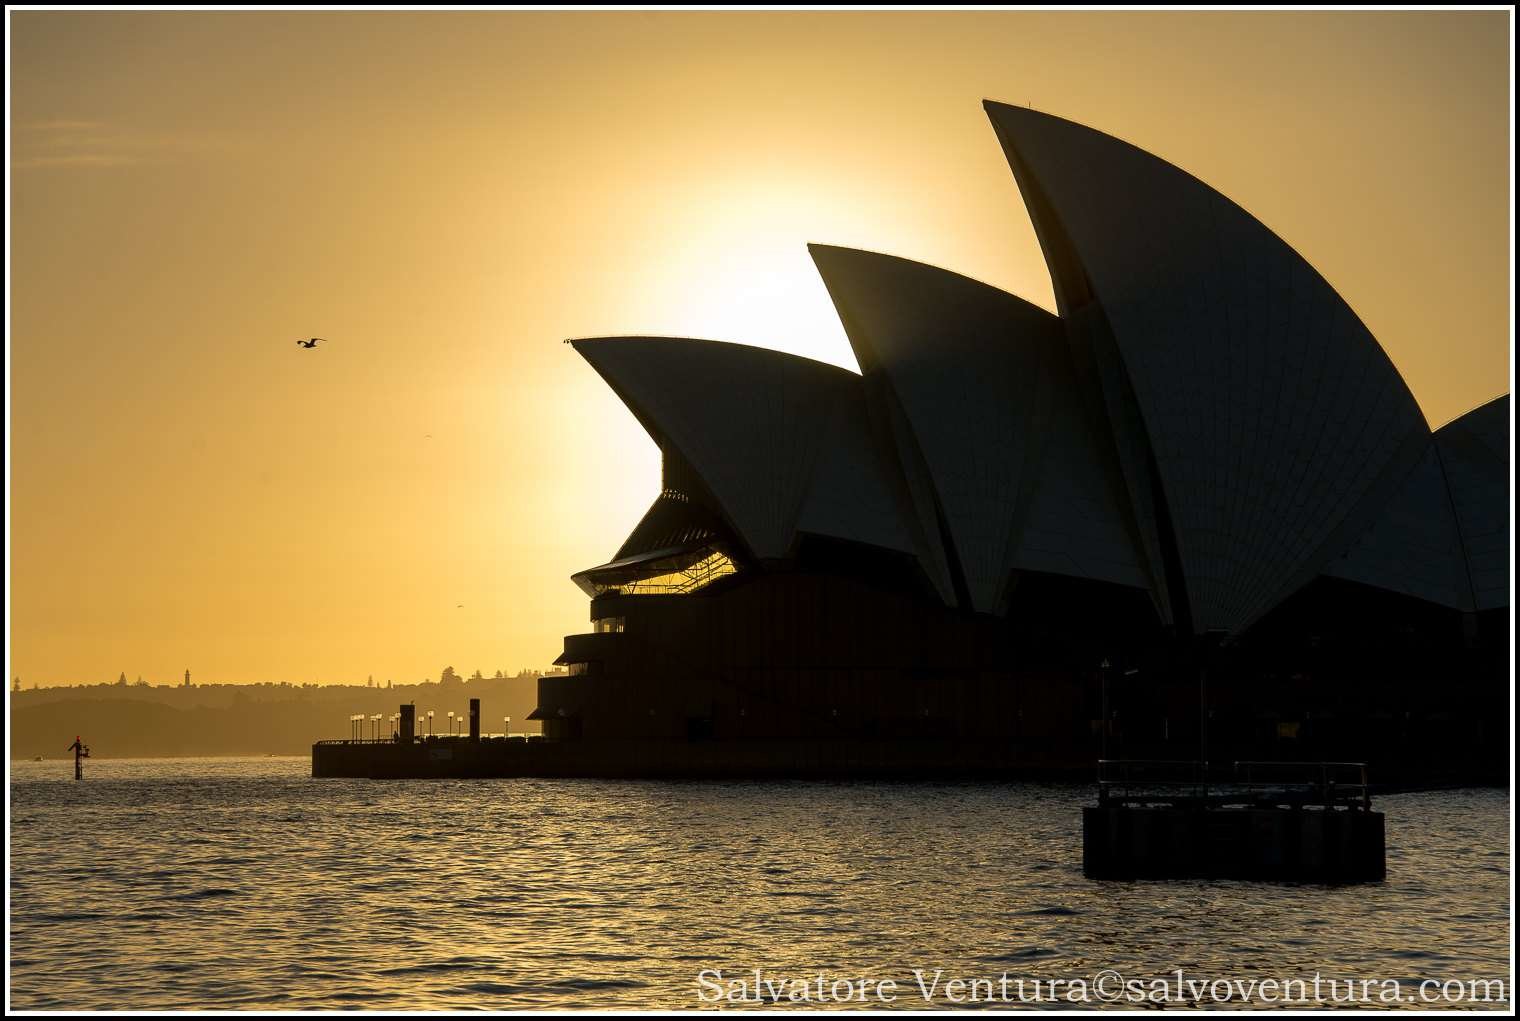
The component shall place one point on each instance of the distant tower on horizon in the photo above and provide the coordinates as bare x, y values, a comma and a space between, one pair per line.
16, 684
187, 677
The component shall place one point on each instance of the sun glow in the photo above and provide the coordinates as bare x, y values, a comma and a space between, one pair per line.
768, 297
191, 489
732, 264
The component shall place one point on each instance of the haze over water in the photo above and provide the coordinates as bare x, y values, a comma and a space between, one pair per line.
244, 883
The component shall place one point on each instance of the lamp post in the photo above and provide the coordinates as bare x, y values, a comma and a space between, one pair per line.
451, 723
430, 723
1203, 713
509, 726
1103, 670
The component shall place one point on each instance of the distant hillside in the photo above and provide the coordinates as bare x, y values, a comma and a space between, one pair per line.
126, 721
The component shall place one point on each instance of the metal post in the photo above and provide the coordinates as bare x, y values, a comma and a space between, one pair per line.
1203, 714
1103, 672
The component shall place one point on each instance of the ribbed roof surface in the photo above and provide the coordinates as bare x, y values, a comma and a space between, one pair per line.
1475, 455
745, 418
853, 494
1413, 546
1272, 414
781, 442
1206, 419
975, 371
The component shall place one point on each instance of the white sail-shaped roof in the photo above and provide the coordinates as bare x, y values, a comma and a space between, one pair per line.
746, 419
853, 494
1474, 452
1206, 419
1444, 537
980, 376
1080, 522
1276, 424
780, 442
1413, 545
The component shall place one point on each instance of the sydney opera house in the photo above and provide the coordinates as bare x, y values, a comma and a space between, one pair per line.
1196, 513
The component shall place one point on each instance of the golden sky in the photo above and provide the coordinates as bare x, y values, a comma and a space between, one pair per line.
447, 196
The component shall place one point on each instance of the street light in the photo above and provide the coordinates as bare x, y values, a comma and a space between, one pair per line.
509, 726
430, 723
451, 723
1103, 669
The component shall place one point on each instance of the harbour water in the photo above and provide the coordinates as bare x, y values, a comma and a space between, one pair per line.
245, 883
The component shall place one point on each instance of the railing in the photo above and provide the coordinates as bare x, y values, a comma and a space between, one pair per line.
427, 738
1144, 780
1326, 783
1187, 783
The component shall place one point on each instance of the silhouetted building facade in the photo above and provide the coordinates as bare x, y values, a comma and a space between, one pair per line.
1204, 470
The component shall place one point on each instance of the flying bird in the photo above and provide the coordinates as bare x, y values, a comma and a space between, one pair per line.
313, 342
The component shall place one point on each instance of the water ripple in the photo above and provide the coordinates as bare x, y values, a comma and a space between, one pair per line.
246, 885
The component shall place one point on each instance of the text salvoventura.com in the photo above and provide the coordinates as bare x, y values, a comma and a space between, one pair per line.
936, 986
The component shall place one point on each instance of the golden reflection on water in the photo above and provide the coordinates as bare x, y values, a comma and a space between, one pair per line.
245, 883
